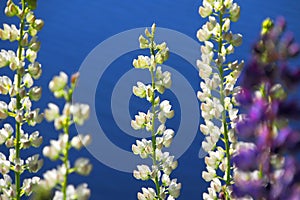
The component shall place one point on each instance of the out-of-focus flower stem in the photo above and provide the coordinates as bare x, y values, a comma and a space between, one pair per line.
66, 151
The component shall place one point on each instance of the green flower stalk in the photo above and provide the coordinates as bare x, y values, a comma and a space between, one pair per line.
217, 93
162, 162
21, 92
60, 149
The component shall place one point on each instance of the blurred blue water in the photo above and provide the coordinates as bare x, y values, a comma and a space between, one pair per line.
73, 28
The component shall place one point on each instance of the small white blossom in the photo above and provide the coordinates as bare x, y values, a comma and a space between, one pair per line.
31, 55
58, 82
33, 163
142, 148
80, 112
203, 34
26, 103
83, 166
163, 80
142, 120
29, 183
35, 139
139, 90
4, 164
174, 188
82, 192
142, 173
27, 80
148, 194
165, 111
168, 137
209, 174
80, 140
3, 110
206, 10
52, 112
142, 62
5, 84
204, 69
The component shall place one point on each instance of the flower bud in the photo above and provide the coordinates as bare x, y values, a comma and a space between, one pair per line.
58, 82
153, 28
212, 23
144, 43
139, 90
147, 33
52, 112
10, 142
229, 49
74, 78
203, 34
19, 117
267, 25
234, 12
27, 80
35, 46
3, 110
11, 9
205, 11
142, 62
83, 166
228, 3
226, 25
35, 70
30, 18
31, 55
237, 40
277, 92
24, 41
35, 93
38, 24
34, 164
32, 31
35, 139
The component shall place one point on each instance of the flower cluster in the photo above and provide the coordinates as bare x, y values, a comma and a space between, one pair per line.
266, 159
22, 92
217, 93
162, 162
59, 149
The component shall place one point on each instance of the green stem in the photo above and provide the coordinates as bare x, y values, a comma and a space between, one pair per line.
222, 99
19, 105
66, 161
156, 181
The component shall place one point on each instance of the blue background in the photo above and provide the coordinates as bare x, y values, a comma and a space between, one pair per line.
73, 28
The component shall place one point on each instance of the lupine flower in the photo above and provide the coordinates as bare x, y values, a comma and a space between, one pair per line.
270, 143
217, 94
162, 162
72, 113
19, 107
82, 166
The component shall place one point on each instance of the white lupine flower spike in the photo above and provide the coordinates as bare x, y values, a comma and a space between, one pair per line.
162, 162
19, 87
72, 113
217, 90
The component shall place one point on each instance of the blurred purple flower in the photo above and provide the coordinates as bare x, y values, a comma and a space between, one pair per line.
246, 159
266, 120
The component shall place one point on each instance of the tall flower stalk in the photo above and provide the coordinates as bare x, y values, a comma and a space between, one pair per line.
60, 149
162, 162
266, 160
21, 91
217, 93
